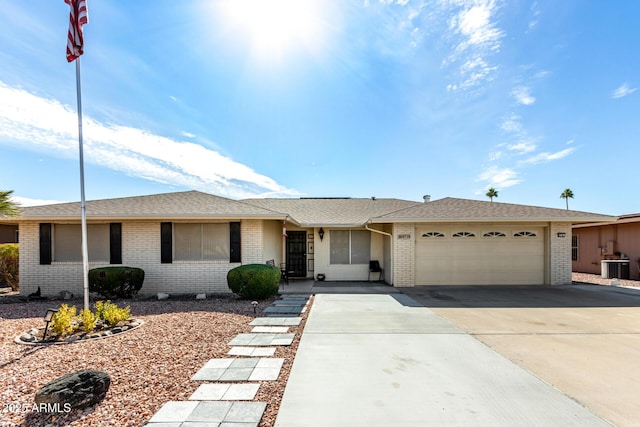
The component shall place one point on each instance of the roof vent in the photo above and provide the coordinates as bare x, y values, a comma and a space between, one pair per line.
427, 198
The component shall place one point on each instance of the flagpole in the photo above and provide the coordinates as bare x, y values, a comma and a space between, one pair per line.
83, 207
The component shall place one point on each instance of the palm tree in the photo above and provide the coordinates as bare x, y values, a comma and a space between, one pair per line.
566, 195
7, 206
492, 193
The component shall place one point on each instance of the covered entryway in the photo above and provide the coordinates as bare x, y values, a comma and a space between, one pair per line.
480, 255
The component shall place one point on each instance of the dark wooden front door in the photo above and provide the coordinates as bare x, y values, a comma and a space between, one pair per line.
297, 253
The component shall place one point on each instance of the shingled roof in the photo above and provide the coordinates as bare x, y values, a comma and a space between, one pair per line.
306, 212
337, 212
183, 205
465, 210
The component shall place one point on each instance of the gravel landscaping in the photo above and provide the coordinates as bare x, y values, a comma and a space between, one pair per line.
596, 279
149, 366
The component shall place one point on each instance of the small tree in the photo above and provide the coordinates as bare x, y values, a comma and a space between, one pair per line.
7, 206
566, 195
492, 193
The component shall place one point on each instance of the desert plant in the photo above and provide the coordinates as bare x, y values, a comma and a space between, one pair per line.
116, 282
63, 321
254, 281
110, 313
9, 265
88, 320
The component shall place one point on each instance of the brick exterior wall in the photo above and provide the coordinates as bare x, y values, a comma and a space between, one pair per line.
560, 254
404, 256
140, 248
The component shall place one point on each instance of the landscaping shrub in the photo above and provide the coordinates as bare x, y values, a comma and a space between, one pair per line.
254, 281
116, 282
110, 313
9, 266
64, 321
88, 320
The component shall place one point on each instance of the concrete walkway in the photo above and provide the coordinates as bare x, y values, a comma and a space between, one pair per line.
384, 360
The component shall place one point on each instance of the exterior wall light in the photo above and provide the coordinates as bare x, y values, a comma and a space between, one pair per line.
321, 233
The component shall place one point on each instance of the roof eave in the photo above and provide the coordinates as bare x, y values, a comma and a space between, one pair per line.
573, 220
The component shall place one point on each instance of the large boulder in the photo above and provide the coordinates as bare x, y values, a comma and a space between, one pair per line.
79, 389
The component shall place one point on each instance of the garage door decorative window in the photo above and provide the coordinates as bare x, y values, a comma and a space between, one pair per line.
432, 234
494, 234
463, 234
524, 234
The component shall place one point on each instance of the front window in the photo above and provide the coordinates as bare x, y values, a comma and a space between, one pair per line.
201, 242
67, 242
574, 247
350, 246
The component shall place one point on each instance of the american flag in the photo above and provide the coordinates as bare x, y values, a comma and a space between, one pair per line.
77, 18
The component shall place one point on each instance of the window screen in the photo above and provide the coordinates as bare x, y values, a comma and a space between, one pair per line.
350, 247
67, 242
198, 242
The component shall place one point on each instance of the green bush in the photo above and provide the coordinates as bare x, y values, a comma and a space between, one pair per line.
110, 313
116, 282
9, 265
254, 281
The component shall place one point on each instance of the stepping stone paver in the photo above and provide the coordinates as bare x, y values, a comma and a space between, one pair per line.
252, 351
264, 340
285, 309
270, 329
293, 303
276, 321
173, 412
253, 369
220, 391
206, 413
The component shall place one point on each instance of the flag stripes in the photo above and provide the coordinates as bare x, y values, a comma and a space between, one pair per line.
77, 18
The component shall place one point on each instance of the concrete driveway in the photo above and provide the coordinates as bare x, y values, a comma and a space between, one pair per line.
584, 340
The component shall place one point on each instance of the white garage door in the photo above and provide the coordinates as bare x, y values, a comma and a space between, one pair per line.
479, 255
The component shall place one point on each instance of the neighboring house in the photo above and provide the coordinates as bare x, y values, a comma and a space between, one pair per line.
186, 242
613, 240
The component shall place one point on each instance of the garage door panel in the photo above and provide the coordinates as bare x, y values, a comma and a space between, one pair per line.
477, 260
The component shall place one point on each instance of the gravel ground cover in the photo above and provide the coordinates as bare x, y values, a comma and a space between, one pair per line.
149, 366
596, 279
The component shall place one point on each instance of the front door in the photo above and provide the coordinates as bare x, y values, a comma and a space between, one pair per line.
297, 253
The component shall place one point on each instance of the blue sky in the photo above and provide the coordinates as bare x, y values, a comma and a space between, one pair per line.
290, 98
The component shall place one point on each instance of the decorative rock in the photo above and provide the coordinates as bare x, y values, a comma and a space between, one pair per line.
116, 330
78, 389
27, 338
65, 295
201, 296
162, 295
72, 338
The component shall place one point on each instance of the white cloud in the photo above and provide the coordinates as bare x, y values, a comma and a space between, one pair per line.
546, 157
525, 146
512, 124
523, 96
38, 123
478, 38
25, 201
187, 134
622, 91
499, 177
